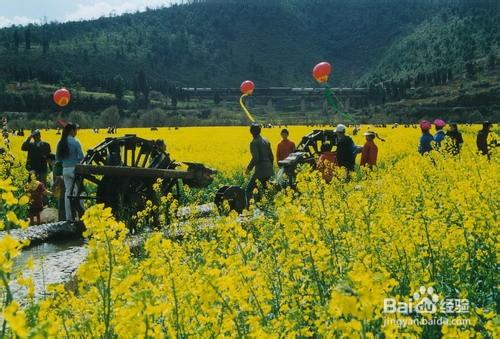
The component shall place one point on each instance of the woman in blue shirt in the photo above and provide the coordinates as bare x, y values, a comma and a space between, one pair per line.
69, 152
440, 134
425, 145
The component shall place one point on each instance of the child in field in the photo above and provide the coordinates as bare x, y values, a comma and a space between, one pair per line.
285, 147
370, 151
326, 162
37, 193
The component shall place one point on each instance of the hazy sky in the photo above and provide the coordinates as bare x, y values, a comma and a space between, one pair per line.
21, 12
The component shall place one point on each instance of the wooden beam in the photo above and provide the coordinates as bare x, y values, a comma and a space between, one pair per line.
135, 172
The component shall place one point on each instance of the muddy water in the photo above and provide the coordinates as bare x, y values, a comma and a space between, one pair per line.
53, 263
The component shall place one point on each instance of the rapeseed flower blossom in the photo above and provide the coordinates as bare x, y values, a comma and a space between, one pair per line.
316, 261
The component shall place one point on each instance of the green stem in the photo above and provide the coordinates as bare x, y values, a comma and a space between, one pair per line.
224, 302
261, 311
107, 310
8, 300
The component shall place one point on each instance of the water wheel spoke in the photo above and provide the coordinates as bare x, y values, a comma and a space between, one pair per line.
125, 194
92, 179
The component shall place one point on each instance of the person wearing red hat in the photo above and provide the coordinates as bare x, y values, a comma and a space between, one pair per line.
425, 145
440, 134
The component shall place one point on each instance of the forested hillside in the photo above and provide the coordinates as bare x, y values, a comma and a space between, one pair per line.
457, 40
398, 49
215, 43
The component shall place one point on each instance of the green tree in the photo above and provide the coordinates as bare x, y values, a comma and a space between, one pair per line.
110, 116
81, 118
16, 41
142, 84
27, 38
45, 45
118, 87
492, 61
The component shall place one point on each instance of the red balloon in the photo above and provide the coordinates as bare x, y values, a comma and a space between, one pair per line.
247, 87
62, 97
322, 71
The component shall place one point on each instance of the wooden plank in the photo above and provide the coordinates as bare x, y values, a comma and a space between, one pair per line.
135, 172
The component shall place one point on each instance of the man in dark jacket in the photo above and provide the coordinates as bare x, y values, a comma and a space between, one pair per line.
483, 146
262, 161
455, 139
38, 155
345, 149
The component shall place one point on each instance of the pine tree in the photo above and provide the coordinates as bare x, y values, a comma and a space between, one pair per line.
27, 38
119, 87
16, 41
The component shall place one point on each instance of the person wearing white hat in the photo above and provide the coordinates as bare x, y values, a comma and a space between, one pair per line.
340, 128
345, 145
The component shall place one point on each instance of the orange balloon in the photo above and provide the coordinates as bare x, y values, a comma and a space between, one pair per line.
247, 87
322, 71
62, 97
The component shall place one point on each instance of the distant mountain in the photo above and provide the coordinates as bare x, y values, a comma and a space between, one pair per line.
220, 43
456, 40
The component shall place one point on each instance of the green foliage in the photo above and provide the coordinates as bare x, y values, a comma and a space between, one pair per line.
214, 43
138, 62
119, 87
80, 118
110, 117
453, 42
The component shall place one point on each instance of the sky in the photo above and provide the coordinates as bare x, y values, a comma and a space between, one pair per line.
22, 12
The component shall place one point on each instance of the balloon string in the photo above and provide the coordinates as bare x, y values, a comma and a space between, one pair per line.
249, 116
330, 99
335, 104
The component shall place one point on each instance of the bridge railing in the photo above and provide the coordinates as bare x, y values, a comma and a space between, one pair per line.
273, 91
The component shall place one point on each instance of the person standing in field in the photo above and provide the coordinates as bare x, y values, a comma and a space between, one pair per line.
455, 139
326, 162
262, 161
38, 155
69, 152
440, 134
484, 146
285, 147
346, 155
425, 145
370, 151
37, 193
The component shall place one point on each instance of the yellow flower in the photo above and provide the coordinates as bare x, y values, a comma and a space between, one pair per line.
24, 200
9, 198
16, 319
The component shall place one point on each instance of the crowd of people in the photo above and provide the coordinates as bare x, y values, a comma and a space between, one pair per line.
62, 165
451, 141
344, 155
41, 161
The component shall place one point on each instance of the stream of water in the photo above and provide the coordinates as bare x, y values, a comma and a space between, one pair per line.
54, 263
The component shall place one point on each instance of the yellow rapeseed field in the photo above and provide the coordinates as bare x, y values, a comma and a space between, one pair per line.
325, 260
227, 148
